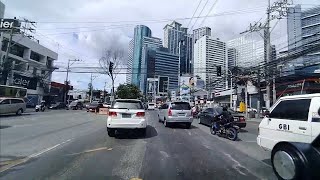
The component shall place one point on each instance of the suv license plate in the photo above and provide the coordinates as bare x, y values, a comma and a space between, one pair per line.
126, 115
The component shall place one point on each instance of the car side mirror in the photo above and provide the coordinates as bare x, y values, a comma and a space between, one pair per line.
267, 113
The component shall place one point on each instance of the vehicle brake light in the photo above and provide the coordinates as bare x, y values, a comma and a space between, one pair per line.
169, 112
114, 114
242, 119
140, 114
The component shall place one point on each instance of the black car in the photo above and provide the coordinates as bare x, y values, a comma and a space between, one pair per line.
209, 114
75, 105
94, 107
58, 105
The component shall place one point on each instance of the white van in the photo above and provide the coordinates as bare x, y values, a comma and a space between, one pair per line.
291, 119
12, 105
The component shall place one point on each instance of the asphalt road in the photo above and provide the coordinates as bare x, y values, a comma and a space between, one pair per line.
75, 145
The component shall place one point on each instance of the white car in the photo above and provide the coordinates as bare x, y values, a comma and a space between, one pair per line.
291, 119
126, 114
151, 106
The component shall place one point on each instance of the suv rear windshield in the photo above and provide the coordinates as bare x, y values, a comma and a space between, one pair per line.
127, 104
180, 106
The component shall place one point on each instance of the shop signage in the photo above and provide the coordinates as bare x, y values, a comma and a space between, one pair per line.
8, 24
26, 82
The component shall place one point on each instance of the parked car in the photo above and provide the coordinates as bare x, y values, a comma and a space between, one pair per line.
209, 114
126, 114
12, 105
291, 119
294, 160
75, 105
94, 106
175, 112
151, 106
58, 105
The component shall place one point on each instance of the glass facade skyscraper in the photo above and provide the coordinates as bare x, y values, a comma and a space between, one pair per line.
173, 34
130, 60
140, 32
303, 27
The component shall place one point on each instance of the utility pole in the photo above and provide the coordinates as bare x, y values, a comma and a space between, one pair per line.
67, 76
104, 91
91, 88
277, 10
7, 56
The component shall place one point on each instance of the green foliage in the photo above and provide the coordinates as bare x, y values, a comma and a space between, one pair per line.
128, 91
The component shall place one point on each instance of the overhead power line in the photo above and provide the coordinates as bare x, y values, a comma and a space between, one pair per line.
194, 13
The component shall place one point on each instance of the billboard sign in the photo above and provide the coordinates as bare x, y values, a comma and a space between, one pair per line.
8, 24
153, 85
187, 83
26, 82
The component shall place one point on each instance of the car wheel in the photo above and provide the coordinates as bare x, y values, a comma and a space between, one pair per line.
166, 124
76, 108
19, 112
287, 163
111, 132
188, 125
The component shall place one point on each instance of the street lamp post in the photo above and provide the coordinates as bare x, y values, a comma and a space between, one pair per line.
231, 94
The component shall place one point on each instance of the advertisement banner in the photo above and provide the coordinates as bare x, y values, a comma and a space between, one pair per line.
8, 24
153, 85
26, 82
187, 83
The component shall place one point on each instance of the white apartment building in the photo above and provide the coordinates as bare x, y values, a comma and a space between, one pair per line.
32, 65
130, 61
208, 54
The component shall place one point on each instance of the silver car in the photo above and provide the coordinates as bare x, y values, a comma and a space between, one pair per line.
175, 112
12, 105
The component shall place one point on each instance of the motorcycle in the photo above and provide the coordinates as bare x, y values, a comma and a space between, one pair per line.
40, 108
228, 130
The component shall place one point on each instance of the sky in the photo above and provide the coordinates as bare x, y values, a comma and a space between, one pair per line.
83, 29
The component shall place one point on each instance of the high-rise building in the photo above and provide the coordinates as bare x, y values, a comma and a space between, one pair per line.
140, 32
249, 52
232, 56
198, 33
2, 9
148, 43
303, 27
162, 63
130, 60
210, 53
176, 36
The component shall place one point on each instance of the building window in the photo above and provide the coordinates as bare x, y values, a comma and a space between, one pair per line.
35, 56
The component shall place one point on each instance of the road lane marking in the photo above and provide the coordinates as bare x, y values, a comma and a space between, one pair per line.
91, 150
188, 131
237, 165
20, 161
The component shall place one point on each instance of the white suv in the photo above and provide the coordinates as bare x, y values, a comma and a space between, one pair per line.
291, 119
126, 114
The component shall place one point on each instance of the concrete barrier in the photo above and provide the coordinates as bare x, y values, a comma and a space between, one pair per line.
104, 111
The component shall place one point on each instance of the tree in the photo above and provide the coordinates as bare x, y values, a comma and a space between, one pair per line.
128, 91
112, 60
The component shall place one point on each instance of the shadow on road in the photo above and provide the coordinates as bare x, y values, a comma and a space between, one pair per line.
243, 131
151, 132
14, 115
182, 126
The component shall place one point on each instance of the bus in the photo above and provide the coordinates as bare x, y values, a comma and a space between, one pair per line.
13, 91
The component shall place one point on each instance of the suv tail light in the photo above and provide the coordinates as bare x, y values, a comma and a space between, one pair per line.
112, 114
241, 119
140, 114
169, 112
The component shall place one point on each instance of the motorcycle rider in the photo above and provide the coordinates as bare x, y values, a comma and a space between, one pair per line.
42, 105
224, 118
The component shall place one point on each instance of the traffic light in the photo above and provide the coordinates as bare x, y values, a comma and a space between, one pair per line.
110, 67
218, 70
